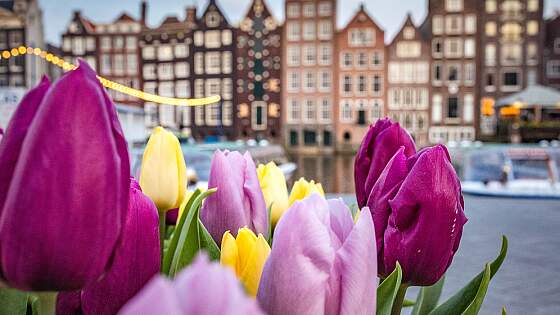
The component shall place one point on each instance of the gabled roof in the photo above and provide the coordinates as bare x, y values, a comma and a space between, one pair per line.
362, 12
258, 5
125, 18
87, 25
407, 23
213, 6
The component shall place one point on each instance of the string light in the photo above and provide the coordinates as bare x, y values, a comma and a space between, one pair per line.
66, 66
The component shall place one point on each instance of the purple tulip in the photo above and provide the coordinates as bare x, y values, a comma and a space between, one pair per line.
320, 263
136, 261
239, 200
417, 209
379, 145
203, 288
68, 195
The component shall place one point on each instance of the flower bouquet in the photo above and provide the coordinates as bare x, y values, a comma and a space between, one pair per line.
78, 235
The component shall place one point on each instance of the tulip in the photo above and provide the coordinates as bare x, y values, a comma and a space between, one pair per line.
238, 201
379, 145
163, 176
68, 195
274, 188
321, 262
203, 288
246, 255
136, 261
303, 188
417, 209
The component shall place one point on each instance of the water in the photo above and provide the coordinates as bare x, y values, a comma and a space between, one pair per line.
334, 172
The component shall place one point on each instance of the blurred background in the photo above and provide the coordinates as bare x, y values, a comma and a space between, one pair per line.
301, 81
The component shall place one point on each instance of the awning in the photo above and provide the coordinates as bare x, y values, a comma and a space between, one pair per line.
534, 95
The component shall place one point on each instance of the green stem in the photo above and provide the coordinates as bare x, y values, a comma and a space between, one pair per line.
398, 303
47, 302
162, 231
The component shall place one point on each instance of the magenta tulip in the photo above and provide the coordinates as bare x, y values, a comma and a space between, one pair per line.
379, 145
136, 261
68, 195
203, 288
239, 200
417, 209
321, 262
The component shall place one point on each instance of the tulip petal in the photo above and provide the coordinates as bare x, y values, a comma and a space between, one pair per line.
229, 255
157, 297
251, 273
274, 188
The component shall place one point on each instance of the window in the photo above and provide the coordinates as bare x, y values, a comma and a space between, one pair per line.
453, 73
469, 73
490, 82
181, 51
437, 47
408, 32
532, 53
532, 5
119, 42
436, 108
226, 37
212, 62
454, 5
131, 64
510, 79
66, 42
325, 110
165, 71
198, 38
293, 81
106, 64
226, 62
437, 72
490, 55
511, 32
532, 28
437, 25
167, 115
452, 107
308, 30
293, 56
309, 137
166, 89
93, 64
106, 42
227, 89
347, 60
199, 115
325, 57
347, 85
360, 37
182, 89
199, 88
213, 19
470, 24
408, 49
325, 8
149, 71
294, 141
491, 6
310, 112
511, 54
468, 108
346, 111
553, 69
453, 47
199, 63
212, 39
325, 30
308, 55
453, 24
309, 81
490, 29
377, 59
148, 52
131, 42
150, 87
258, 119
186, 116
293, 10
362, 84
293, 30
309, 9
326, 81
556, 47
470, 49
377, 85
294, 112
212, 114
165, 52
362, 60
181, 69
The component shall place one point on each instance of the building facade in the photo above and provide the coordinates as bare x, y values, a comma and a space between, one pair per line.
451, 27
551, 64
213, 74
21, 24
511, 49
308, 75
166, 56
360, 83
408, 95
258, 79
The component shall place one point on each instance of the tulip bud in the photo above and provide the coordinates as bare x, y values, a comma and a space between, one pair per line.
321, 262
417, 210
238, 201
67, 199
274, 188
303, 188
379, 145
163, 176
203, 288
246, 255
136, 261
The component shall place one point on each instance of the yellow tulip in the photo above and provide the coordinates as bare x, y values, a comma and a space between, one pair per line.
246, 256
274, 188
303, 188
163, 176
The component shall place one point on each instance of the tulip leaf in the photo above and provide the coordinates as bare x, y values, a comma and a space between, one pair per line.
462, 300
387, 291
408, 303
189, 242
207, 242
172, 247
476, 304
504, 311
33, 303
13, 302
269, 238
428, 298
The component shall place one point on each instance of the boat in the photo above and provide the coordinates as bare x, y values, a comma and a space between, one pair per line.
510, 171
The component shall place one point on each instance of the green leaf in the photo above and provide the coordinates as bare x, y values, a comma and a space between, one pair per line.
475, 305
387, 291
172, 247
33, 303
269, 238
504, 311
462, 300
428, 298
408, 303
189, 241
207, 242
13, 302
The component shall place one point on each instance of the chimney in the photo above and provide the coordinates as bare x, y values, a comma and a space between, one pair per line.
143, 12
191, 15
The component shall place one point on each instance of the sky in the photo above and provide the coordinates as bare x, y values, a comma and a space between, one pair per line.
389, 14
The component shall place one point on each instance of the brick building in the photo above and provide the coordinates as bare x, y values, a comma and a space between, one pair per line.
551, 65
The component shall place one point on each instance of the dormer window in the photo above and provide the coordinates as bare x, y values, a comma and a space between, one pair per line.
408, 33
213, 19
